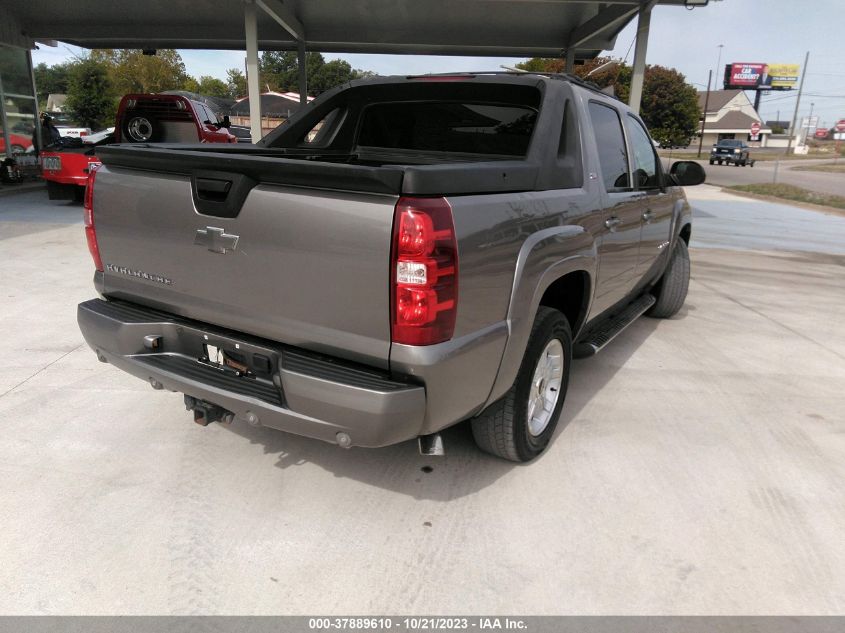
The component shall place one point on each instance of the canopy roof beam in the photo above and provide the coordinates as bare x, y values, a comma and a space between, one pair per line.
285, 17
615, 15
638, 71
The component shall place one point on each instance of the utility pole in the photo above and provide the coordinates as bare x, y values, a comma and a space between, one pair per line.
797, 103
704, 114
719, 61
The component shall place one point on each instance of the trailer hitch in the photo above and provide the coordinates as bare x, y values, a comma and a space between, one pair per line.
205, 413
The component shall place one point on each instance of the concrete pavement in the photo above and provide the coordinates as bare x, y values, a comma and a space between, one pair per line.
699, 468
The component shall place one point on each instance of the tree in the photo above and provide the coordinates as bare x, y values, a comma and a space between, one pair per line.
50, 80
331, 74
132, 71
669, 105
208, 86
90, 95
236, 83
280, 71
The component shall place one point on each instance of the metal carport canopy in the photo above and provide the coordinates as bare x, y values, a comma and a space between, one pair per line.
514, 28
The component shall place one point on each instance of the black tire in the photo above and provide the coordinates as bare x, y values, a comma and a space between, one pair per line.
711, 162
141, 127
503, 428
671, 290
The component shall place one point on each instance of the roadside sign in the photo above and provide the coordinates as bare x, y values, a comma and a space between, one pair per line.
840, 125
839, 136
821, 132
755, 128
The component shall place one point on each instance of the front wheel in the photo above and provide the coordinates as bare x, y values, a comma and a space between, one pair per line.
671, 290
519, 426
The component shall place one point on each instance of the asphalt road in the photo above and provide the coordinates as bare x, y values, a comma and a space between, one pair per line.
722, 220
764, 172
698, 469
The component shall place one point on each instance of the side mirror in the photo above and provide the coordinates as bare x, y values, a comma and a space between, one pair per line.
227, 123
687, 173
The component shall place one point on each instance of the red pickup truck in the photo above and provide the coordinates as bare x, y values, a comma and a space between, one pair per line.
141, 118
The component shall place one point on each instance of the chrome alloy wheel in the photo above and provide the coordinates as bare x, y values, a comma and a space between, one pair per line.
140, 129
545, 387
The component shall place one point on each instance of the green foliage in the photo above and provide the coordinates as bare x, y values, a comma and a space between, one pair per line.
669, 105
132, 71
236, 83
212, 87
50, 80
90, 94
280, 72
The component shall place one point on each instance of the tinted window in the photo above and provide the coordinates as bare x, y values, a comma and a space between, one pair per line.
611, 146
318, 134
646, 175
475, 128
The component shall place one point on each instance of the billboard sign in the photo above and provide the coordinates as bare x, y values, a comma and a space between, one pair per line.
760, 76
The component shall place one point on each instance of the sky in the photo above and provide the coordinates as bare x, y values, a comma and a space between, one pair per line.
766, 31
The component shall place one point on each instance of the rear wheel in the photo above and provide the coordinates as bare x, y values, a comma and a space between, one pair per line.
671, 290
519, 426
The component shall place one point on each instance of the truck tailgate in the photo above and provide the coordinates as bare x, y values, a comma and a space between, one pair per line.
300, 266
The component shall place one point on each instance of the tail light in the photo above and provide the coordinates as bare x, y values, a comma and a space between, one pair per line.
424, 289
88, 214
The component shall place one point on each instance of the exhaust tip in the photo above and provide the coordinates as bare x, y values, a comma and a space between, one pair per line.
431, 445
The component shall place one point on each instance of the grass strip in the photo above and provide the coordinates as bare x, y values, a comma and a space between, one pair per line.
791, 192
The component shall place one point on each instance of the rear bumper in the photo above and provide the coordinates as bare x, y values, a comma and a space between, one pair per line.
301, 393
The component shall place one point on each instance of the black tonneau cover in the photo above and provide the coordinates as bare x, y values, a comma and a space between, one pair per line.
305, 169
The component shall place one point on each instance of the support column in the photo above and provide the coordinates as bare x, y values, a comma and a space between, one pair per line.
570, 60
638, 75
303, 73
5, 133
252, 79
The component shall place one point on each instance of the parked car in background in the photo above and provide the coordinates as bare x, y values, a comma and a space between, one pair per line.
19, 144
731, 151
141, 118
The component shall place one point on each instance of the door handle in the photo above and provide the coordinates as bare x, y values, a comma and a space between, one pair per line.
648, 216
612, 223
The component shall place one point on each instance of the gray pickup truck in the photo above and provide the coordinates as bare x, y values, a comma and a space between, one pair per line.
405, 254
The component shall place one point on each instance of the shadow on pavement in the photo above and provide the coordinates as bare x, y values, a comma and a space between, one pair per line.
464, 470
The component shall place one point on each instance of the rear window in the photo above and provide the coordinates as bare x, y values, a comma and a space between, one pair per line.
472, 128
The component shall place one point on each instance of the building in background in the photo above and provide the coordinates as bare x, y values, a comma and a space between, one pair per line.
276, 108
730, 114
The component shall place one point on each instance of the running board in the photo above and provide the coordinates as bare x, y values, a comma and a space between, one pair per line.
606, 331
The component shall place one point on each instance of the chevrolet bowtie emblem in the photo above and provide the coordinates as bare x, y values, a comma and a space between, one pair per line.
216, 240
